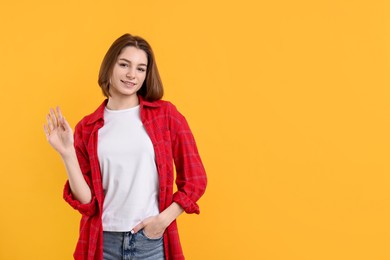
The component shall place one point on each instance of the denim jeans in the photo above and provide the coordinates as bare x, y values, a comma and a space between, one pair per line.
128, 246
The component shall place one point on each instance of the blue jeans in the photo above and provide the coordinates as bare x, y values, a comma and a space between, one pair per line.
127, 246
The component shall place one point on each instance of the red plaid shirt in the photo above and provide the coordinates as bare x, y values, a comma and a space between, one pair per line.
173, 142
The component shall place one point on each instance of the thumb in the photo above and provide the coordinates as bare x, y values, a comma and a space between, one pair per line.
66, 124
138, 227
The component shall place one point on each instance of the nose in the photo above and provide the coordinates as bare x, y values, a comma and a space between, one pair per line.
130, 73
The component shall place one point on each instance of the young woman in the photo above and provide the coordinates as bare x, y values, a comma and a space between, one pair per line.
120, 159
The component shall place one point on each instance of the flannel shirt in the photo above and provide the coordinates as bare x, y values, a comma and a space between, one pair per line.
173, 142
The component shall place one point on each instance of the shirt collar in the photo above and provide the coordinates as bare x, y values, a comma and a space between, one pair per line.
99, 112
146, 103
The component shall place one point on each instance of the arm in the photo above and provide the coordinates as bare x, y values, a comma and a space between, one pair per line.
191, 178
79, 187
60, 136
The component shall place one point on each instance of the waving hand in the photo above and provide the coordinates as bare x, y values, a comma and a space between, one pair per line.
58, 132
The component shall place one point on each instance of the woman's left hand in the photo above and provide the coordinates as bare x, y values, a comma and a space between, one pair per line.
153, 227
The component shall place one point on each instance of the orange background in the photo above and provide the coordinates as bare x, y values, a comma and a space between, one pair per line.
288, 101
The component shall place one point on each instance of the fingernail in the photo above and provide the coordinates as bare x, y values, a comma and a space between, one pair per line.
132, 231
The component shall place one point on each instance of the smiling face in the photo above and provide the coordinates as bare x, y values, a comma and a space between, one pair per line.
128, 75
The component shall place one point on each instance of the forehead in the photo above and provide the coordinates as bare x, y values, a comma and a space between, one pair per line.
134, 55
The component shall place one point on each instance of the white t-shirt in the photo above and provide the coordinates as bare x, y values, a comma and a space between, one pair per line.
129, 173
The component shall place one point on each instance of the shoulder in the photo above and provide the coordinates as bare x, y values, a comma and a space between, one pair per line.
161, 104
163, 111
162, 107
89, 120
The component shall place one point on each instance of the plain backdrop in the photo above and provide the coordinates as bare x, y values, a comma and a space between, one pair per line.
288, 101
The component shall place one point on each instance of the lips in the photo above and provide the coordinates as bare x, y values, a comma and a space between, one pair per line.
128, 83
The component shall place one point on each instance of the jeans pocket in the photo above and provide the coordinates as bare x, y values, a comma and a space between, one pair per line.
148, 238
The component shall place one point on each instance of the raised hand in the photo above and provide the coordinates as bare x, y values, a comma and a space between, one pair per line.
58, 132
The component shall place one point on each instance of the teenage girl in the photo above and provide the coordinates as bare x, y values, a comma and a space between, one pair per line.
120, 162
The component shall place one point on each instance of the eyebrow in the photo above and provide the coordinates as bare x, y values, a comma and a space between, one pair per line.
141, 64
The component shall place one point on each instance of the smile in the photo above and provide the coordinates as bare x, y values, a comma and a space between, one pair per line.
128, 83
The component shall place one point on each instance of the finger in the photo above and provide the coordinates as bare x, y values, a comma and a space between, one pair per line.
53, 117
46, 131
59, 113
66, 124
62, 121
49, 123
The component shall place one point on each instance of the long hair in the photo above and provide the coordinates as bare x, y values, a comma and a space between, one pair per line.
152, 88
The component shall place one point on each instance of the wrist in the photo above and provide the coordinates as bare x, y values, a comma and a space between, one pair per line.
68, 154
170, 214
164, 220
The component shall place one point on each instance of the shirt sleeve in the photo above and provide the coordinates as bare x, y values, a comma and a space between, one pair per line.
88, 209
191, 179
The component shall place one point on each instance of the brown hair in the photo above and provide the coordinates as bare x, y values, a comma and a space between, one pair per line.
152, 88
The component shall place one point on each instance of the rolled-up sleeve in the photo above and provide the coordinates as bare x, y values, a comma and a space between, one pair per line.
191, 179
87, 209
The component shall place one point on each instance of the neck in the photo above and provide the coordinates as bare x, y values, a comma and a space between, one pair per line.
122, 103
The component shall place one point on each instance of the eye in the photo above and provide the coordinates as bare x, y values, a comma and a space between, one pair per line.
123, 65
142, 69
